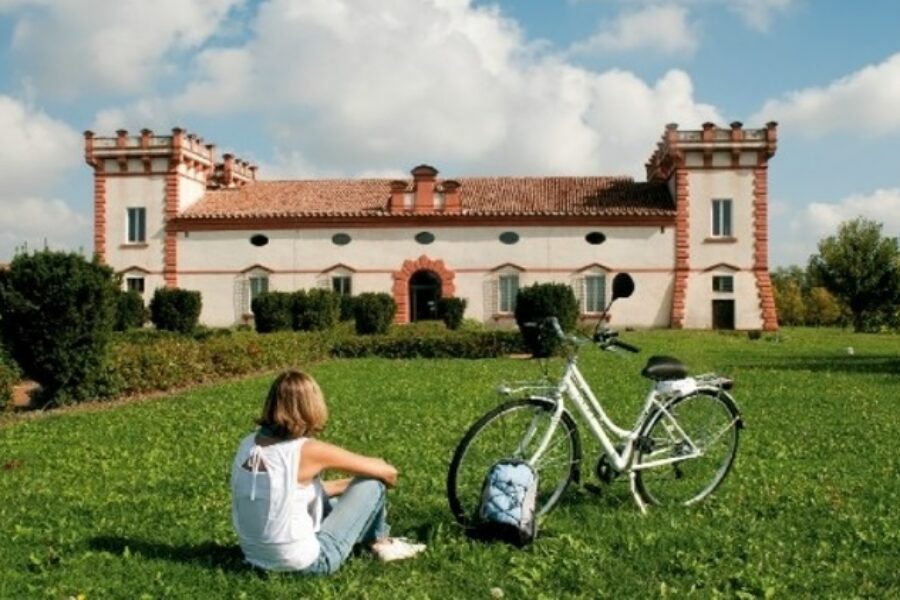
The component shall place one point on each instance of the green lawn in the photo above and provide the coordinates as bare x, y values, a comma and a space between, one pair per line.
133, 501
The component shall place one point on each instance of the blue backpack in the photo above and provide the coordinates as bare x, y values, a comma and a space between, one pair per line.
508, 501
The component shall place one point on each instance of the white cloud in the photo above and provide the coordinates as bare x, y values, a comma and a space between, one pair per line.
74, 47
821, 219
37, 151
410, 81
865, 102
756, 14
36, 148
663, 29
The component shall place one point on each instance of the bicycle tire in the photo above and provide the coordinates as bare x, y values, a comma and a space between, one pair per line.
465, 477
716, 435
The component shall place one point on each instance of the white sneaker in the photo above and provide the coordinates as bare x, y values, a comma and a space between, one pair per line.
392, 549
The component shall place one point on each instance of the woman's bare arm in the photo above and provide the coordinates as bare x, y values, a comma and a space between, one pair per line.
318, 456
336, 487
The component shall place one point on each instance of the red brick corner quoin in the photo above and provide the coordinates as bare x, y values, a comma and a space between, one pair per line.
401, 283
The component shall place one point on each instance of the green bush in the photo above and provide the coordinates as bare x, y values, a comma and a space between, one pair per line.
272, 311
451, 311
374, 312
316, 309
174, 309
539, 301
9, 375
347, 308
432, 344
56, 313
130, 311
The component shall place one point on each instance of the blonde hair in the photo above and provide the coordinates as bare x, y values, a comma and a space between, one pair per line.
295, 406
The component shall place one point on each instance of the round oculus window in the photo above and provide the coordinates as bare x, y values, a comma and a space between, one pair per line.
424, 237
259, 240
595, 238
509, 237
340, 239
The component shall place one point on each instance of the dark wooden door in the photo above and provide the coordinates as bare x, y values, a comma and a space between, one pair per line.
723, 314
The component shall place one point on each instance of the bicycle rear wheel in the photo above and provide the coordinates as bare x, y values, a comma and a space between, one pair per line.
514, 430
698, 436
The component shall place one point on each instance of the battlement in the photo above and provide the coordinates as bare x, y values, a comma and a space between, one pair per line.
711, 147
129, 152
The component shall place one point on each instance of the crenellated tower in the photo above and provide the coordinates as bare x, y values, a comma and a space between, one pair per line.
143, 182
719, 180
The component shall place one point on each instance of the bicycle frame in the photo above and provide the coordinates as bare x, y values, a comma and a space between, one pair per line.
574, 385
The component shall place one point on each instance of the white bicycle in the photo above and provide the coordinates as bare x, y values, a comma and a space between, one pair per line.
681, 447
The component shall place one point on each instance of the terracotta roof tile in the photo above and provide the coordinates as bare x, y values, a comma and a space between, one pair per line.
488, 196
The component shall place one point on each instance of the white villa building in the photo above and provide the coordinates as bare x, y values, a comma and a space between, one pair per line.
694, 236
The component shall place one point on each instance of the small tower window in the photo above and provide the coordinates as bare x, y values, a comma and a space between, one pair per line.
259, 240
341, 239
721, 218
137, 225
723, 283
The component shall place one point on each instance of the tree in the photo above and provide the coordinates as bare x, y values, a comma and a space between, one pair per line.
862, 268
56, 314
822, 308
789, 303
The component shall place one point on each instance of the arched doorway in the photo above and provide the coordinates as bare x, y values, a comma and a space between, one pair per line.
424, 292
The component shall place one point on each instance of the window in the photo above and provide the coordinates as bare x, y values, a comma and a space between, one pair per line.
137, 225
425, 237
509, 237
342, 285
721, 218
594, 293
340, 239
595, 238
134, 284
723, 283
508, 288
259, 240
258, 285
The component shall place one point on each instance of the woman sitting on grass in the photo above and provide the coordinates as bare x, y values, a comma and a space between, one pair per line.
286, 517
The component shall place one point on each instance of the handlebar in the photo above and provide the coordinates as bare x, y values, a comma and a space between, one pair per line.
604, 338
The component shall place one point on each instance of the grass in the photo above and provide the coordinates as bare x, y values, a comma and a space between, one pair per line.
133, 501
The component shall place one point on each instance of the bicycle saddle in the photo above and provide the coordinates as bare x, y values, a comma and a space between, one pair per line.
664, 368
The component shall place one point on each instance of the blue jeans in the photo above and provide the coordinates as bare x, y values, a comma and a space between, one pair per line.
356, 517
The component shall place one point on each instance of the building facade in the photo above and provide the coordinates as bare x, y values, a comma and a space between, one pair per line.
694, 235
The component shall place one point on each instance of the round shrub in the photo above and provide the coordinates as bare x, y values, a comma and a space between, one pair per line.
374, 312
316, 309
56, 314
539, 301
174, 309
130, 311
272, 312
347, 308
451, 311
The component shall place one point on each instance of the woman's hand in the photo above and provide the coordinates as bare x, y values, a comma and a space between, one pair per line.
389, 477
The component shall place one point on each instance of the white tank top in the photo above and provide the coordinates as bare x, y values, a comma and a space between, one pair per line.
275, 517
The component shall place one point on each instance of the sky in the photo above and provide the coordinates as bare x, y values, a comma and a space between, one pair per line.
351, 88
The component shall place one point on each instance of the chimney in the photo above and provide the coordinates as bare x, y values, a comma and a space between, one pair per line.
709, 131
398, 191
451, 197
423, 178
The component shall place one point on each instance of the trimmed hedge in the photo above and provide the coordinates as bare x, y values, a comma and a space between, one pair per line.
316, 309
432, 344
374, 312
161, 361
272, 311
174, 309
539, 301
451, 311
130, 311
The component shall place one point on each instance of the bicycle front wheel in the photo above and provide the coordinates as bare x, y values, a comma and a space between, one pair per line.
686, 450
514, 430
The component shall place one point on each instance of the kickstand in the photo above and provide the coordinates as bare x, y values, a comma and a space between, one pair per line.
637, 497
